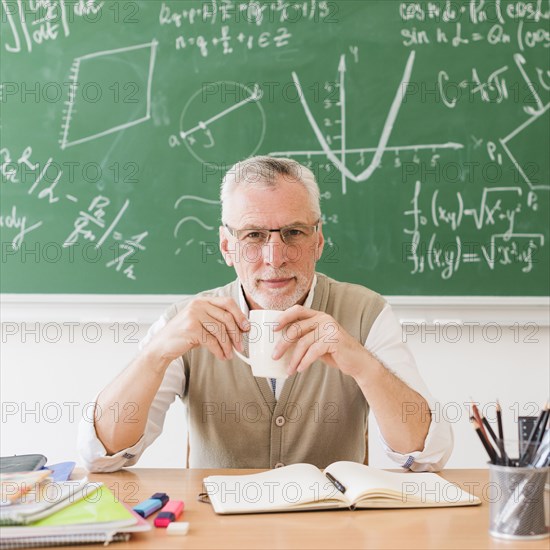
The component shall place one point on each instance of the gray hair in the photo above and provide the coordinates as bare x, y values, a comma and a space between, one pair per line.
261, 172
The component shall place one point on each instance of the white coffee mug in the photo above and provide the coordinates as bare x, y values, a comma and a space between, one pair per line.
262, 340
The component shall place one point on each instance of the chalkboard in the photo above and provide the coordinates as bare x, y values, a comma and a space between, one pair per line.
426, 123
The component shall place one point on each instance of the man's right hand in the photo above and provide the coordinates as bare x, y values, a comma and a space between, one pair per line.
217, 323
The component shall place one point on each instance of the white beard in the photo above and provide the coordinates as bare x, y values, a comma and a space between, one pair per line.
271, 300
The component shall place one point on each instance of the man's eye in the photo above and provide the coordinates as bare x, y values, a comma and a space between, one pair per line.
294, 232
253, 235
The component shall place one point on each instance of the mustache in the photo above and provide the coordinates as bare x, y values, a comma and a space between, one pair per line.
276, 275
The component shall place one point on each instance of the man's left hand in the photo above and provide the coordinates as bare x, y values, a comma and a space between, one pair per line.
316, 335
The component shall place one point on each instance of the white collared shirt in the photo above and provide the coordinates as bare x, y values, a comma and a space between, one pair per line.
385, 341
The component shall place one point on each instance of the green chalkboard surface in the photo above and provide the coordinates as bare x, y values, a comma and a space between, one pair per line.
426, 123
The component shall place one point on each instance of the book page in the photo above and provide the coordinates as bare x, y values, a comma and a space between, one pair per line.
294, 487
15, 485
370, 487
48, 498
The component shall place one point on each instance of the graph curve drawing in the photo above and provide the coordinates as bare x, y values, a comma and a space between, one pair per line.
338, 157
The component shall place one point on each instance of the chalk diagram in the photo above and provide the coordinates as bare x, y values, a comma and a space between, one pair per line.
214, 132
108, 107
211, 207
529, 125
506, 145
338, 156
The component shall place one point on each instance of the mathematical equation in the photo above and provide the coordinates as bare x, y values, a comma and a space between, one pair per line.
91, 224
36, 23
476, 11
251, 12
494, 88
496, 16
505, 246
229, 44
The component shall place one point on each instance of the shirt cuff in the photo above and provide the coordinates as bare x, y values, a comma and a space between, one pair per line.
95, 455
438, 447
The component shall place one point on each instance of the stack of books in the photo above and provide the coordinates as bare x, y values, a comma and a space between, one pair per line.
52, 513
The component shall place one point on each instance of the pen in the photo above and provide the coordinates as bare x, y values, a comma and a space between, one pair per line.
336, 483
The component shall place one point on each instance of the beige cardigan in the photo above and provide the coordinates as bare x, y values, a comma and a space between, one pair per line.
321, 414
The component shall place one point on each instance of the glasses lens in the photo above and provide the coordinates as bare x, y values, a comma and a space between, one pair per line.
296, 233
253, 236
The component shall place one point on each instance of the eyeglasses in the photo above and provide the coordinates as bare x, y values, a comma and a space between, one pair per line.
290, 234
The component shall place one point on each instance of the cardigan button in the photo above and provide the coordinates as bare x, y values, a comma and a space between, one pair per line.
279, 465
280, 421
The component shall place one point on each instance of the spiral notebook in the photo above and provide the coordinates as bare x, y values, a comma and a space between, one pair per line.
44, 500
98, 517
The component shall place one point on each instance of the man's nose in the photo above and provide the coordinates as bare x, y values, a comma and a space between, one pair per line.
274, 250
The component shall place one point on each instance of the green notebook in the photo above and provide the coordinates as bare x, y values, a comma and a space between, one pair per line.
99, 506
98, 513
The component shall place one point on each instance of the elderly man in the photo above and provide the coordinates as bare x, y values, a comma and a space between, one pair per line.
349, 356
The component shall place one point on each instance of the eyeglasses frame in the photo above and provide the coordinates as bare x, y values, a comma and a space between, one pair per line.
233, 231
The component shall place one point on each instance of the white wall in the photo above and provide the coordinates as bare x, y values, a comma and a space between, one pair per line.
50, 372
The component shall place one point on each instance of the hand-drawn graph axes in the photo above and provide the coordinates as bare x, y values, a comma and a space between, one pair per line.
74, 76
380, 149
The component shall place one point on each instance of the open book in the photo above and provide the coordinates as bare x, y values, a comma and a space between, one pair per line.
341, 485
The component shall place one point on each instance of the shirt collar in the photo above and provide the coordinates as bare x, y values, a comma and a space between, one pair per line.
309, 300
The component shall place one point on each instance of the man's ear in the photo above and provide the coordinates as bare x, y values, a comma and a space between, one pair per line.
320, 243
224, 247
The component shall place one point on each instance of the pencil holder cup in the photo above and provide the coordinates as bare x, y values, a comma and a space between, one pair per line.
517, 503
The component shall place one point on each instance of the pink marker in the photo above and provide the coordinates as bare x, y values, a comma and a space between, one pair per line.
171, 512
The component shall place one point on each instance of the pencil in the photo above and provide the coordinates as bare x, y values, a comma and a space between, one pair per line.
500, 443
477, 416
490, 451
499, 422
503, 458
489, 429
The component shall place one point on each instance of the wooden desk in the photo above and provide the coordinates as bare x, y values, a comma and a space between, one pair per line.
441, 528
